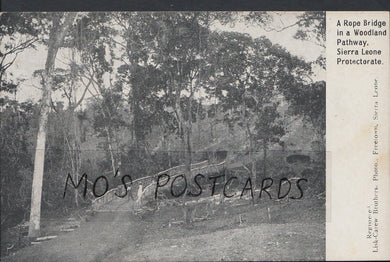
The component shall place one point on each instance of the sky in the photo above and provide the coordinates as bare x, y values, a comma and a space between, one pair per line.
303, 49
32, 60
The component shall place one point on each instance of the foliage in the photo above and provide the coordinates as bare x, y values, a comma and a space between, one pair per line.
18, 125
138, 85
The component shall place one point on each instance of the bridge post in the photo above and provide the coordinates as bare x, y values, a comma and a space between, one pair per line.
139, 196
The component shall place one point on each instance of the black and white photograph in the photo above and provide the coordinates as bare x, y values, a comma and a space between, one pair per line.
163, 136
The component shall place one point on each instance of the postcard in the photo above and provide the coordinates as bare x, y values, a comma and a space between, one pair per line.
183, 136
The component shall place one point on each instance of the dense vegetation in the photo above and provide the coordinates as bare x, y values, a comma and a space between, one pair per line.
143, 92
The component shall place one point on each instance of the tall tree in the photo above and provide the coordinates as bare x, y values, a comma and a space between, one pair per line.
235, 84
60, 24
252, 73
309, 100
183, 49
92, 39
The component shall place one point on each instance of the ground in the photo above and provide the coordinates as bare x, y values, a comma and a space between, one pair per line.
268, 230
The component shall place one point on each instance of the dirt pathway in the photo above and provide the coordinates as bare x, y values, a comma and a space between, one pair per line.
93, 241
160, 236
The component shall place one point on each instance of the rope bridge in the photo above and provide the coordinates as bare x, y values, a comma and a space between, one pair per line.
146, 185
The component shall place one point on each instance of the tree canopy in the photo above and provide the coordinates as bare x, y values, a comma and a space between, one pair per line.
141, 92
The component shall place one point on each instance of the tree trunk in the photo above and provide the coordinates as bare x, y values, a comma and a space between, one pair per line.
264, 157
211, 129
76, 153
188, 158
56, 37
182, 127
169, 155
198, 121
252, 157
36, 194
109, 142
76, 135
